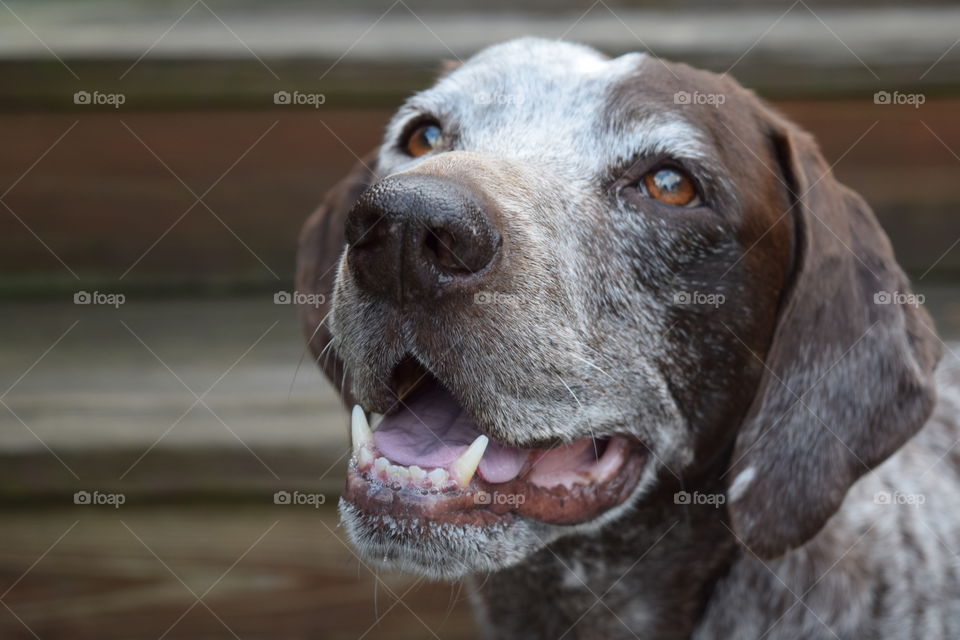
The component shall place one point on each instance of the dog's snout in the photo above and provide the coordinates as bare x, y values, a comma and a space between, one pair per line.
413, 236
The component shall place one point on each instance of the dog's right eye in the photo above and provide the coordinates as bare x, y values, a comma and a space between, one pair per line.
423, 139
670, 186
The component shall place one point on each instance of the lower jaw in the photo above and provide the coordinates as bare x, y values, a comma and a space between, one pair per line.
483, 503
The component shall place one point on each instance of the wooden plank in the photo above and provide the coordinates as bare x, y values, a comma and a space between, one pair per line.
127, 574
100, 199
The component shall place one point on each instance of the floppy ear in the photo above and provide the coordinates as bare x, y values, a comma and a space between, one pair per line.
321, 243
849, 370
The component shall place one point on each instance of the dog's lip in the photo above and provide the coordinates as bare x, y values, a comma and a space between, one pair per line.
550, 493
483, 503
429, 460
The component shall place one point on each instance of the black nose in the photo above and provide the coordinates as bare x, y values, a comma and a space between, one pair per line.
414, 236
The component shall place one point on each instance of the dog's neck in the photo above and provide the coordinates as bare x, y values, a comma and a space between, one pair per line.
648, 575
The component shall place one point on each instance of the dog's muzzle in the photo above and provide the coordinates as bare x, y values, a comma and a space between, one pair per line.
423, 246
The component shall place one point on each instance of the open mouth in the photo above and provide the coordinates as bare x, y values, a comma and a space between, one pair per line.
429, 461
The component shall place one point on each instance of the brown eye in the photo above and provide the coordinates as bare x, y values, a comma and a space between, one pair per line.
670, 186
424, 139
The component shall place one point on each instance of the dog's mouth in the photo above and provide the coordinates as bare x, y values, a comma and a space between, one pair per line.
429, 462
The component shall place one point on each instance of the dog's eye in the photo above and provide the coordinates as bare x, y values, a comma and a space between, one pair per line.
670, 186
424, 139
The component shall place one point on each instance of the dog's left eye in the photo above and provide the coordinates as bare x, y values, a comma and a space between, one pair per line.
424, 139
671, 186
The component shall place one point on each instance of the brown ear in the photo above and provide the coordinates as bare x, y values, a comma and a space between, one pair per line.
849, 371
320, 246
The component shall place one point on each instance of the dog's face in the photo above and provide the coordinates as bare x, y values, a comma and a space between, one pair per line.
561, 287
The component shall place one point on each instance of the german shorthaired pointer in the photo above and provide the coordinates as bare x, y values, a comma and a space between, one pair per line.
646, 369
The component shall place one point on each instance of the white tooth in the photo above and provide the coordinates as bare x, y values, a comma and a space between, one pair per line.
359, 429
364, 458
438, 477
381, 464
465, 466
392, 473
417, 475
400, 474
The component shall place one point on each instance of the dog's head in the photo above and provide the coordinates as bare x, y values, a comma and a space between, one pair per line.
570, 280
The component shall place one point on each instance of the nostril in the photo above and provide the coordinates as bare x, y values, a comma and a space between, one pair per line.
441, 248
371, 234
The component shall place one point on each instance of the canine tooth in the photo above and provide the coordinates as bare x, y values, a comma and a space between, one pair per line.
400, 474
360, 432
381, 464
364, 458
465, 466
417, 475
438, 477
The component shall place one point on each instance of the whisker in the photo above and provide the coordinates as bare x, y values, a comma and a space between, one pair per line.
591, 364
590, 384
304, 353
323, 352
593, 436
572, 394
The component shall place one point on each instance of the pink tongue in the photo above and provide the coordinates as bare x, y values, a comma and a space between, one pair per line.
565, 465
431, 430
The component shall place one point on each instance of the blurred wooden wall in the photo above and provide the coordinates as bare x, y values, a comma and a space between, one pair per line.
109, 195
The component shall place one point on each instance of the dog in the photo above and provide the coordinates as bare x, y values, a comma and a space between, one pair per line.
646, 369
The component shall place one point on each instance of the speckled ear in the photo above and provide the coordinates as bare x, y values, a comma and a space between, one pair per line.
321, 243
849, 372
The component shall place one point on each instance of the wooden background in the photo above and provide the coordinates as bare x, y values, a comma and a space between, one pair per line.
101, 198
